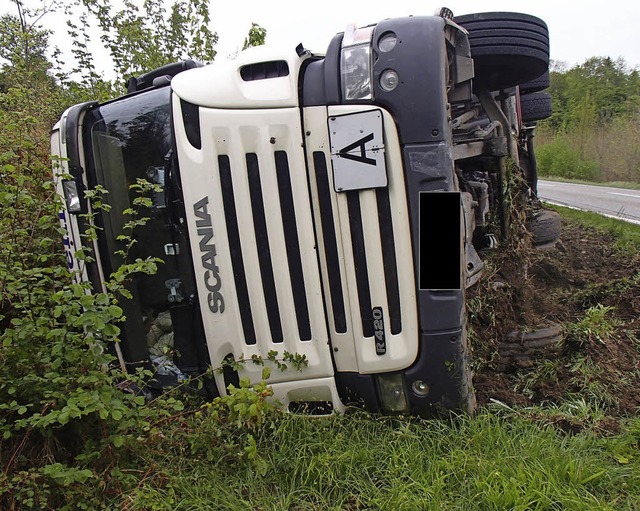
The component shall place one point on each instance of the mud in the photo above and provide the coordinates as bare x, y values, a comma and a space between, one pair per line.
598, 362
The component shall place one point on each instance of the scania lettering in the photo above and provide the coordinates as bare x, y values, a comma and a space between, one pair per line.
212, 279
334, 205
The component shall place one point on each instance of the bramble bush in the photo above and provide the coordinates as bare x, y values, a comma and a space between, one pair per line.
71, 436
63, 418
65, 424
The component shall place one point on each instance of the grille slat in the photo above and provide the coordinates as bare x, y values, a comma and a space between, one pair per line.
287, 209
264, 252
233, 234
360, 262
389, 259
330, 242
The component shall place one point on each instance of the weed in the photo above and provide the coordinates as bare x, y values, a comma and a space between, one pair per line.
527, 382
587, 380
596, 326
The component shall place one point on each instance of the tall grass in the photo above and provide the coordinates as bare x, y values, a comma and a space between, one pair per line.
491, 462
604, 153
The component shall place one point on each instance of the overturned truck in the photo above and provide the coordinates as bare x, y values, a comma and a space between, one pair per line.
333, 206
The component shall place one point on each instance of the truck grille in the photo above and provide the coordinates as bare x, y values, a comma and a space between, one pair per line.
259, 209
303, 269
360, 247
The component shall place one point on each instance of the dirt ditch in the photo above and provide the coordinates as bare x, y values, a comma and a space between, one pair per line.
560, 323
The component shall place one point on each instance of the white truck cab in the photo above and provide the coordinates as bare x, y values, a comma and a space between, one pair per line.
330, 206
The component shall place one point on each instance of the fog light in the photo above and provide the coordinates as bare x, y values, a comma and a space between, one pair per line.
71, 195
387, 42
420, 388
389, 80
391, 392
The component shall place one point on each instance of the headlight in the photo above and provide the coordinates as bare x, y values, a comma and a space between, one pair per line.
71, 195
391, 392
355, 64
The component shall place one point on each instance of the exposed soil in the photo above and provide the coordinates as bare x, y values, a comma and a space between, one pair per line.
559, 285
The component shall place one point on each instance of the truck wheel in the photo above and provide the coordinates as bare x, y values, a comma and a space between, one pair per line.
536, 85
522, 348
507, 48
536, 106
544, 226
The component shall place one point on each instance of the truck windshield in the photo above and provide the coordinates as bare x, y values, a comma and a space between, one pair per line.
125, 141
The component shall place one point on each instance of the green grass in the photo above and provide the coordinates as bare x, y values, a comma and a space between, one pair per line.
496, 461
626, 234
629, 185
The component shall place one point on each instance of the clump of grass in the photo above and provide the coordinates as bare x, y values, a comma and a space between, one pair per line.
526, 382
593, 294
597, 325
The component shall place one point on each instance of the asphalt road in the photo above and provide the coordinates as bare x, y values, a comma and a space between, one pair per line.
614, 202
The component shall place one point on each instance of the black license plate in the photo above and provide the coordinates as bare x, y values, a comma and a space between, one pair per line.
440, 240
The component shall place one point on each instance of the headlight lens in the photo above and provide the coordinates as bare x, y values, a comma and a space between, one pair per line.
391, 392
71, 195
356, 72
355, 64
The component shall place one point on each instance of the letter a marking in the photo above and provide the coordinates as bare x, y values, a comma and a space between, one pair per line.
362, 158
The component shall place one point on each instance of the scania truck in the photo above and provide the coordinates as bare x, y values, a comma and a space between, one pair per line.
332, 207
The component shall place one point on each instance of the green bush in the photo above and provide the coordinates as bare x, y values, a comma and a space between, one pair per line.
66, 427
560, 159
64, 422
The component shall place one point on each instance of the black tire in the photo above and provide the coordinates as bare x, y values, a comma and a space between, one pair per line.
507, 48
537, 85
524, 347
536, 106
544, 226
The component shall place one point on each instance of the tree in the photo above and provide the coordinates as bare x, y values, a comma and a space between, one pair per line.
141, 38
22, 42
30, 100
593, 130
610, 87
23, 47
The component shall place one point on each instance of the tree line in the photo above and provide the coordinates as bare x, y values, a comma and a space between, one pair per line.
595, 127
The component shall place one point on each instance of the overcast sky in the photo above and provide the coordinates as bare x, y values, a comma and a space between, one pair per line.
578, 29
